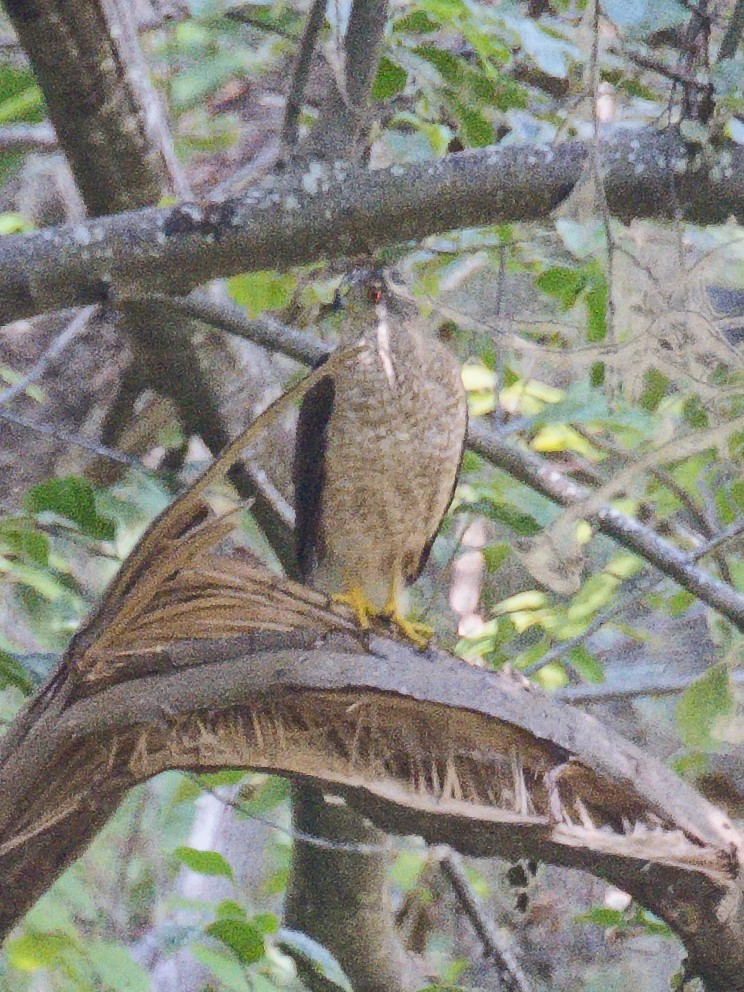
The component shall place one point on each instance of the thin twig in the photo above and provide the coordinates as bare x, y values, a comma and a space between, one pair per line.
294, 835
510, 972
301, 72
58, 345
671, 686
698, 514
265, 331
642, 583
49, 430
675, 73
597, 169
244, 17
732, 36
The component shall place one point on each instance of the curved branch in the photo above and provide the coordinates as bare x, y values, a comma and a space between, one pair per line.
198, 659
475, 759
339, 210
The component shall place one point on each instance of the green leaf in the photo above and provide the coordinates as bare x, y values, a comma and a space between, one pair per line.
475, 130
321, 960
406, 870
737, 493
390, 79
418, 22
701, 705
117, 969
38, 579
495, 555
229, 909
259, 291
652, 924
243, 939
564, 284
695, 413
33, 951
596, 304
13, 674
587, 666
204, 862
15, 223
449, 66
266, 922
520, 523
215, 780
654, 390
73, 498
23, 106
269, 794
603, 917
447, 11
20, 538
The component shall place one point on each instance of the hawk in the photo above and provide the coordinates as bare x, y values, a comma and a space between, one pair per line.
378, 447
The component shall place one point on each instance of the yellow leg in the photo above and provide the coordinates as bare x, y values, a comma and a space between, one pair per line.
359, 603
419, 633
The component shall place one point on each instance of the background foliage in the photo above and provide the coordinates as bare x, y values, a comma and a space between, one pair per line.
609, 349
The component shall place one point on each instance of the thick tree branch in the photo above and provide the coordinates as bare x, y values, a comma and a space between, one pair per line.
200, 659
340, 210
343, 128
96, 84
462, 756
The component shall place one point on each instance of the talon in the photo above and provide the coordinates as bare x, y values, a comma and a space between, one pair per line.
361, 606
418, 633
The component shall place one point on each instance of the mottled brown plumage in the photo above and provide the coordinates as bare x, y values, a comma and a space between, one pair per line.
379, 444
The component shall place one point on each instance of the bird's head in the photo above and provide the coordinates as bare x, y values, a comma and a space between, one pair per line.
366, 295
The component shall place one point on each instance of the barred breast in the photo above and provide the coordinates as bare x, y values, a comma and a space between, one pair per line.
394, 444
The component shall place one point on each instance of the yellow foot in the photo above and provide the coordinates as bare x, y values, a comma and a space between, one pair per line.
419, 633
361, 606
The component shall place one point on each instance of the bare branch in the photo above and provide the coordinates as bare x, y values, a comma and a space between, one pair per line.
671, 685
423, 761
27, 138
55, 349
341, 210
265, 331
510, 972
50, 430
734, 29
296, 91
